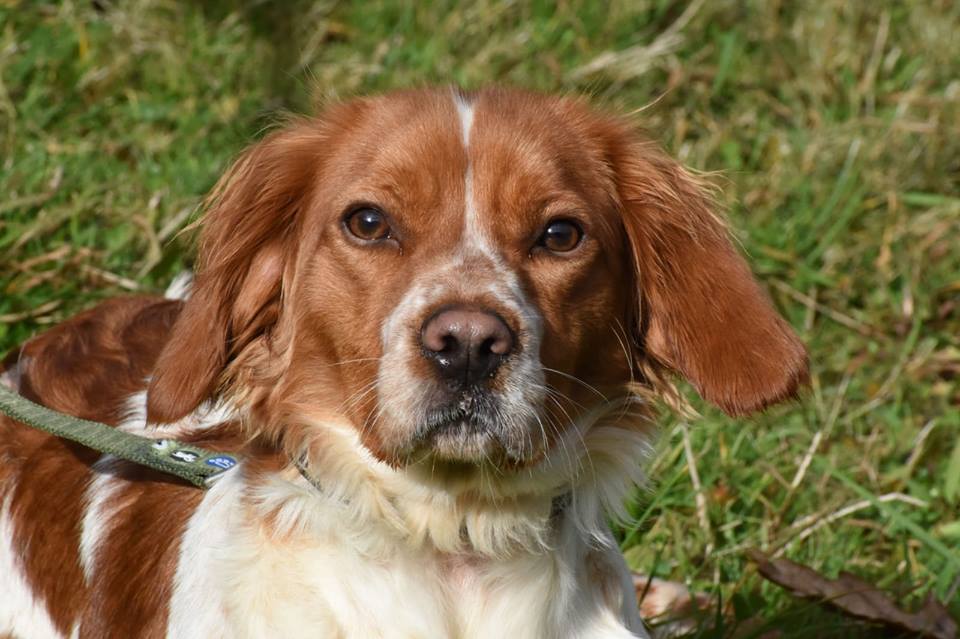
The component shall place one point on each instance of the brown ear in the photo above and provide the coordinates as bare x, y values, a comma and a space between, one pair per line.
701, 311
245, 237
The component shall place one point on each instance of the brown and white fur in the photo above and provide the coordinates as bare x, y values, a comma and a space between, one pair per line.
426, 506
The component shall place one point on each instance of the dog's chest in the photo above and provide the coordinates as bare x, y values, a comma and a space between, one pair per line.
315, 569
328, 590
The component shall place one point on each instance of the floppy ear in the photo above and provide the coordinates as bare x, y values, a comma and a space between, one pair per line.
701, 311
245, 238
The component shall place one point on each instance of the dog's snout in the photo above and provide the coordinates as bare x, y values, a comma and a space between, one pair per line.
466, 345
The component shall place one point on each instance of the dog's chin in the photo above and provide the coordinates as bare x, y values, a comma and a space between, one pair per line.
464, 442
458, 442
457, 455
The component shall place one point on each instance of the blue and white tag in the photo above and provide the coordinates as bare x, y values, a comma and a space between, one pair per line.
223, 462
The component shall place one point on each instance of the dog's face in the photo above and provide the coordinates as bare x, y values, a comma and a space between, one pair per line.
464, 277
467, 267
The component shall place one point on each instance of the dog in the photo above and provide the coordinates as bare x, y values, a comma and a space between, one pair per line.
433, 325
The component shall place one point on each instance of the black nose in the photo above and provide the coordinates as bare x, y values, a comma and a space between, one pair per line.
466, 345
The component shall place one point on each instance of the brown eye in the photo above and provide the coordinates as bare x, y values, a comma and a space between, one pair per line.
368, 224
561, 236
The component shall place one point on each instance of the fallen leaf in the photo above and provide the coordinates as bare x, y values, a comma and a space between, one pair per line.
670, 607
857, 598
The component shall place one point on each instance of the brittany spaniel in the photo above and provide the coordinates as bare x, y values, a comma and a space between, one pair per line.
431, 324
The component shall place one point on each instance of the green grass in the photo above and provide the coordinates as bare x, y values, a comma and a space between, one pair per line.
836, 126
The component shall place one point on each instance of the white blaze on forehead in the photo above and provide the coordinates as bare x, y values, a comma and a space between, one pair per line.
475, 241
465, 111
473, 236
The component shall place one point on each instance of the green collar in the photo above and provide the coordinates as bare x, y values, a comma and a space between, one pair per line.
199, 466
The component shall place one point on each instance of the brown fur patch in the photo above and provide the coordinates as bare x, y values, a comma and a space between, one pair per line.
138, 556
85, 367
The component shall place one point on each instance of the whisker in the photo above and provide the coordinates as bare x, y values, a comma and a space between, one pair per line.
573, 424
353, 361
543, 431
576, 379
371, 421
573, 462
547, 388
628, 355
625, 345
353, 400
555, 392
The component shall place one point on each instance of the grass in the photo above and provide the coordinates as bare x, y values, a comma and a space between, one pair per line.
836, 126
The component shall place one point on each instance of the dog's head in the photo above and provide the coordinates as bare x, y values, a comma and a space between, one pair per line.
462, 277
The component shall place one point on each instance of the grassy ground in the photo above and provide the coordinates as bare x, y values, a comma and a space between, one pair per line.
836, 125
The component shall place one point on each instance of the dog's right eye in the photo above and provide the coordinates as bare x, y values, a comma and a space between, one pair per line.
561, 236
368, 224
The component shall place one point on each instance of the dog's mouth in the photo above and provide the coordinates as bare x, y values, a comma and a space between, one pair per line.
468, 428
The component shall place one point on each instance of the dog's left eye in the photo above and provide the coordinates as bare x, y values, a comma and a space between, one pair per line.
561, 236
368, 224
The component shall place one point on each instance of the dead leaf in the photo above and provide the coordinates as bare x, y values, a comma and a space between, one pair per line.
857, 598
670, 607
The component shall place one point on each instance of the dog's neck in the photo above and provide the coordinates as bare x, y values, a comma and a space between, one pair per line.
331, 473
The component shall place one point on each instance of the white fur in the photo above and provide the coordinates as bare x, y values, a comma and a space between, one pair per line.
207, 415
474, 238
11, 376
465, 111
181, 287
101, 506
472, 233
21, 613
373, 553
196, 608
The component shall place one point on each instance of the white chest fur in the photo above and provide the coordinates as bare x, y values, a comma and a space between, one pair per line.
322, 576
